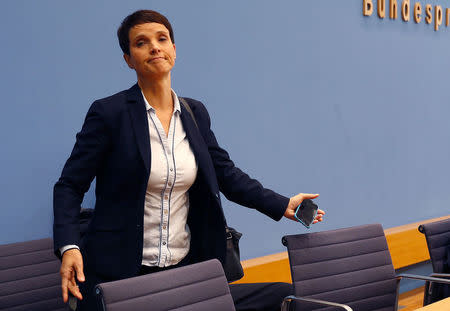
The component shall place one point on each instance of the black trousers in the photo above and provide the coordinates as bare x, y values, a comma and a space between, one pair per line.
260, 296
246, 297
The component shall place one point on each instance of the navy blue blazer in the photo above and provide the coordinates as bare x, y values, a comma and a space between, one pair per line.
114, 147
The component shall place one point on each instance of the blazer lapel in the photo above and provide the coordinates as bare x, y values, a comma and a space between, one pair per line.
200, 150
138, 113
139, 121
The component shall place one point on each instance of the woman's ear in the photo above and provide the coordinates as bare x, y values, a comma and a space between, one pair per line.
127, 59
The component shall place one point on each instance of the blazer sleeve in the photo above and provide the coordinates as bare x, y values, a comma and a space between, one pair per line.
236, 185
78, 172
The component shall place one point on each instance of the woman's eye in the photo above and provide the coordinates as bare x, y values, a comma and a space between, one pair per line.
139, 43
162, 39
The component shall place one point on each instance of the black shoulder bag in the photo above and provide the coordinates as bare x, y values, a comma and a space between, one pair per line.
232, 265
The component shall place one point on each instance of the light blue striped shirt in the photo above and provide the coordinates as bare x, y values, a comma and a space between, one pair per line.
173, 171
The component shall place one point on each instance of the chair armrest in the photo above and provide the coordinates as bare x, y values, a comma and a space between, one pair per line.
440, 275
288, 299
424, 278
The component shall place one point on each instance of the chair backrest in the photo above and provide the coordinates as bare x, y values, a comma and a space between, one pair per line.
199, 287
350, 266
437, 235
29, 277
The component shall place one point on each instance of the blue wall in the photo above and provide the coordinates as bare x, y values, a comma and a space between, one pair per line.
307, 96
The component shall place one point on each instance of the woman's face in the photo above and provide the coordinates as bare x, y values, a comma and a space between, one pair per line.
152, 52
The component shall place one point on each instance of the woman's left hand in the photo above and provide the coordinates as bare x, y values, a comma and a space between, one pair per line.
296, 201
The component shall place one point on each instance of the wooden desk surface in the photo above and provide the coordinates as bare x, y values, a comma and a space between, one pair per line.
442, 305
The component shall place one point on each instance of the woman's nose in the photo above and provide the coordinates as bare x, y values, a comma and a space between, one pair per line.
154, 48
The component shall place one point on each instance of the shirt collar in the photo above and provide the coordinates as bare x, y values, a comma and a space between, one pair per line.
176, 102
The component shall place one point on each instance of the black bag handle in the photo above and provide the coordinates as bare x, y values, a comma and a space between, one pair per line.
188, 108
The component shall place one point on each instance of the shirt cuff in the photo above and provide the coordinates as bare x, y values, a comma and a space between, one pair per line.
67, 247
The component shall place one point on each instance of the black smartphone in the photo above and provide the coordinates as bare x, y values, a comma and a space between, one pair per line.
306, 212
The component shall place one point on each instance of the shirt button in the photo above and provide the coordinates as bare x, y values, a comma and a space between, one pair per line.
166, 197
165, 212
170, 183
164, 227
164, 243
171, 169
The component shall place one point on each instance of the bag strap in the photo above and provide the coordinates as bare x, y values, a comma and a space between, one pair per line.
188, 108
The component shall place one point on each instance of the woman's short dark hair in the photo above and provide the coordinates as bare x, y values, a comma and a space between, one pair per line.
137, 18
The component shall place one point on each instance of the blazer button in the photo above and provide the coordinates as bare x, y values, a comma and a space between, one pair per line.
138, 226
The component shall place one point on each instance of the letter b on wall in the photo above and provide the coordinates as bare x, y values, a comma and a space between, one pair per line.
367, 7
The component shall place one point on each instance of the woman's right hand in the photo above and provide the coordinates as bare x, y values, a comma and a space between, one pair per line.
72, 264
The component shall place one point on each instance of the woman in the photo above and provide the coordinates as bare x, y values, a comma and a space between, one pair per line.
158, 176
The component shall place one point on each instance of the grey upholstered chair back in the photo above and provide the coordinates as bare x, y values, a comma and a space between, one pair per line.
29, 277
350, 266
437, 235
199, 287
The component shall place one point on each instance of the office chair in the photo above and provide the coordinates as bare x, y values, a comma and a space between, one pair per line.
198, 287
344, 269
29, 277
437, 235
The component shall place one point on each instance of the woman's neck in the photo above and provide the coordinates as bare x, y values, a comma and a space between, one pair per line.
157, 92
